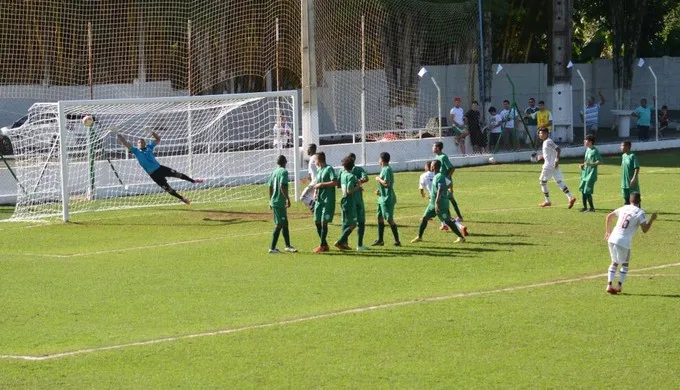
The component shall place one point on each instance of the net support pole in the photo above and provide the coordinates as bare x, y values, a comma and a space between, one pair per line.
583, 80
190, 146
63, 161
656, 105
363, 90
439, 105
89, 58
296, 134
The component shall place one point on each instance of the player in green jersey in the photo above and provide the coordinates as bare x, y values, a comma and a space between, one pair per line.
447, 170
324, 197
349, 186
630, 168
589, 173
362, 178
278, 203
386, 200
439, 204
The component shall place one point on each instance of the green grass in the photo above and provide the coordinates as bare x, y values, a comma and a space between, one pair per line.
487, 313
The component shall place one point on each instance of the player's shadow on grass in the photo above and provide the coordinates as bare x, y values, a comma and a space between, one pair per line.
503, 223
508, 243
625, 294
496, 235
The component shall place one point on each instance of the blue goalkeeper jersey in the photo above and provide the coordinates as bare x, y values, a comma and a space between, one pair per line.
146, 158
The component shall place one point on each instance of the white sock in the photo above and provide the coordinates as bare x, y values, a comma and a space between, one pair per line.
622, 274
612, 273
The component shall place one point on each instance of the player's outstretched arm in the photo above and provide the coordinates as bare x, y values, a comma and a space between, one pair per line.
153, 134
120, 138
648, 225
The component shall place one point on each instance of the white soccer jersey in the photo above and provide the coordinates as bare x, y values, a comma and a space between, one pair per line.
426, 181
282, 135
549, 153
457, 113
630, 217
311, 168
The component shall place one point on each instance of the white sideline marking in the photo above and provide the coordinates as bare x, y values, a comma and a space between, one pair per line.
362, 309
656, 275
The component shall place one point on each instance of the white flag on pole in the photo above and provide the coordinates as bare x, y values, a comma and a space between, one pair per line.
641, 62
570, 65
498, 70
422, 72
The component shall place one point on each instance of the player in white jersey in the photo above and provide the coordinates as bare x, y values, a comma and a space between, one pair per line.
425, 186
629, 218
551, 169
307, 196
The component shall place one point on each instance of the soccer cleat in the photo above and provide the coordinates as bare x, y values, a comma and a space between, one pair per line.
342, 246
460, 239
186, 201
545, 204
463, 229
362, 248
274, 251
320, 249
378, 243
291, 249
591, 210
444, 227
397, 243
583, 210
612, 290
618, 289
417, 239
571, 202
196, 181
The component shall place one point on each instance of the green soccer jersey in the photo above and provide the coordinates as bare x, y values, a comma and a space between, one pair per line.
629, 163
360, 174
347, 182
326, 195
589, 173
446, 163
386, 195
277, 180
438, 182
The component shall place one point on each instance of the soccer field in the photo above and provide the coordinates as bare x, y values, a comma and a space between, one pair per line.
188, 297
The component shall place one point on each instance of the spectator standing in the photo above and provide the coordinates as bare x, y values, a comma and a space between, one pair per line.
644, 117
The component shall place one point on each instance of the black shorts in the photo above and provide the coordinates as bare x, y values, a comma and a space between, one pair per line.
160, 174
477, 138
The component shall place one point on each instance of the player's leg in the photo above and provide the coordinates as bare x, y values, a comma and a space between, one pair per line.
327, 215
546, 174
381, 226
278, 226
348, 225
389, 217
615, 254
452, 199
283, 221
169, 172
590, 190
159, 179
626, 195
318, 219
445, 216
361, 226
427, 215
557, 177
582, 187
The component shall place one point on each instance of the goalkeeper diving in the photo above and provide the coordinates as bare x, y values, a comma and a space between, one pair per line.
159, 173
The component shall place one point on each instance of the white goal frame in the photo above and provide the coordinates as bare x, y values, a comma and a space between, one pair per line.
63, 107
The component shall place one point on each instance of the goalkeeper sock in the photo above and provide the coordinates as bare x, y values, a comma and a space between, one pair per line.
381, 231
421, 229
286, 235
275, 237
360, 234
175, 194
184, 177
318, 229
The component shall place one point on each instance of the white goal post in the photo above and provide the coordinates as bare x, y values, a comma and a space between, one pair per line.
230, 142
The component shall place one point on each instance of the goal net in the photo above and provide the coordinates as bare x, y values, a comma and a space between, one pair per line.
230, 142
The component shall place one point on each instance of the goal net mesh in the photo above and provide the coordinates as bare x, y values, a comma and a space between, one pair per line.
230, 142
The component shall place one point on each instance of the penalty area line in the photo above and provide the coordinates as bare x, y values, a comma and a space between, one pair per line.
357, 310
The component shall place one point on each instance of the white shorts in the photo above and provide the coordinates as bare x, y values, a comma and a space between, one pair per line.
307, 197
548, 173
619, 254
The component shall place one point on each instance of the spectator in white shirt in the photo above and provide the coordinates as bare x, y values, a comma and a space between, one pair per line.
508, 116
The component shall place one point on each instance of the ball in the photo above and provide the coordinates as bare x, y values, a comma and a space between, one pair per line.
492, 160
126, 187
87, 121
